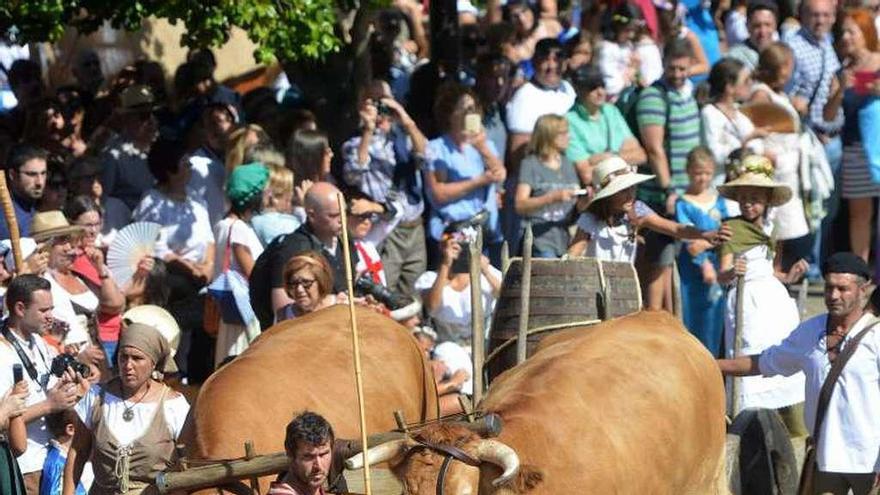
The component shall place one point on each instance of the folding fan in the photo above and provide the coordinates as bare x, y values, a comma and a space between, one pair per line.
129, 246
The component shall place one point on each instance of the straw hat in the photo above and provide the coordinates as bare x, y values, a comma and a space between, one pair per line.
49, 224
756, 171
613, 175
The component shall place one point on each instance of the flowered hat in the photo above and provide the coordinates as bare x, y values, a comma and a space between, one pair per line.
756, 171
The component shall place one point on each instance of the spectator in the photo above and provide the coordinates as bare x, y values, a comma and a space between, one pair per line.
669, 127
849, 420
701, 207
320, 233
26, 82
61, 426
700, 29
241, 248
547, 186
546, 93
275, 217
149, 284
814, 69
598, 129
368, 224
46, 127
29, 301
207, 161
14, 441
133, 410
125, 174
56, 188
671, 18
531, 28
446, 292
242, 139
384, 163
736, 30
859, 49
615, 54
87, 72
83, 177
762, 21
309, 156
463, 170
768, 312
649, 57
26, 171
452, 368
725, 127
789, 150
308, 282
579, 51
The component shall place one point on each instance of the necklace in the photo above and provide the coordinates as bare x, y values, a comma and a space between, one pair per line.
128, 411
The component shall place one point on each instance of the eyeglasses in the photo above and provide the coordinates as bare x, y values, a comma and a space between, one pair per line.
373, 217
297, 282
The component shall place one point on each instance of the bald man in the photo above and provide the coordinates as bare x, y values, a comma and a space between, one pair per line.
320, 233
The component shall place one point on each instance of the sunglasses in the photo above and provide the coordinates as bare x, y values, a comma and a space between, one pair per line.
297, 282
373, 217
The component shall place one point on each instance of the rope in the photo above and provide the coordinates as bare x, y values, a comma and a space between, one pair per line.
122, 468
546, 328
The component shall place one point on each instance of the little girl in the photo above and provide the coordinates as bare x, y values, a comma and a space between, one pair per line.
701, 207
769, 314
608, 229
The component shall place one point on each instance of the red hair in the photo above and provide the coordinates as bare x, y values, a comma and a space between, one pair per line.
864, 19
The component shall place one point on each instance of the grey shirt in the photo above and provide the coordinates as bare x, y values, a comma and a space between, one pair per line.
550, 223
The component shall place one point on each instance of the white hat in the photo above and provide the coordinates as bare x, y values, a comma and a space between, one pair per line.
613, 175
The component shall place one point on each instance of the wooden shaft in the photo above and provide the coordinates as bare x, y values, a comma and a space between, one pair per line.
525, 296
505, 258
11, 222
737, 342
349, 279
477, 335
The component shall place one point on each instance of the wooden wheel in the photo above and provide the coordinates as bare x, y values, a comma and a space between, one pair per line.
766, 462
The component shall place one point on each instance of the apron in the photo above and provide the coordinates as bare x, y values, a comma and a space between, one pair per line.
129, 469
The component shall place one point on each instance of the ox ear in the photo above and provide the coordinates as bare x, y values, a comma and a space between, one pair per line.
383, 452
495, 452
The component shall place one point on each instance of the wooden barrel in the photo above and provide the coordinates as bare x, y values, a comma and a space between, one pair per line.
563, 292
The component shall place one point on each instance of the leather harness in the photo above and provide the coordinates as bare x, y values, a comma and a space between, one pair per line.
450, 452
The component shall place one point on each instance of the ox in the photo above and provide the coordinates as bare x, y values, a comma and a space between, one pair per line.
632, 405
306, 363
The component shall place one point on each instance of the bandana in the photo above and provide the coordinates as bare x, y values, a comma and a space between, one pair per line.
149, 341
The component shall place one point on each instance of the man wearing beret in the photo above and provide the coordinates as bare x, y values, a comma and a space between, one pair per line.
848, 447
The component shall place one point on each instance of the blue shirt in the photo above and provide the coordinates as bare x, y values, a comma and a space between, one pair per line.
815, 64
460, 164
53, 472
24, 214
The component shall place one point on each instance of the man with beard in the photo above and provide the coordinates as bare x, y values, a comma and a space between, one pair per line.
309, 443
26, 172
848, 445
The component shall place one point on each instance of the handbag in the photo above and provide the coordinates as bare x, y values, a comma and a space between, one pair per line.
228, 294
808, 474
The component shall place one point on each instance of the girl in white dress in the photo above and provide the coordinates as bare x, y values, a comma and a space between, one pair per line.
769, 313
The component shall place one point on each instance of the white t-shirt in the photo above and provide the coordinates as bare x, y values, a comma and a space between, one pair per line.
37, 433
611, 243
64, 311
723, 135
456, 357
452, 318
186, 228
531, 102
126, 432
373, 254
614, 63
208, 176
243, 234
650, 61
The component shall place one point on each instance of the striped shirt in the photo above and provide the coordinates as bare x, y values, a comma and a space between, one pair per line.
681, 136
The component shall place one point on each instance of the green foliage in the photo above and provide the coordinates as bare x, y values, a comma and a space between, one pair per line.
286, 29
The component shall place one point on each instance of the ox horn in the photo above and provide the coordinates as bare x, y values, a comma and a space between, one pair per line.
383, 452
495, 452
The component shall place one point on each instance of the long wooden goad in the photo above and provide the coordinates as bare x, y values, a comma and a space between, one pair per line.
11, 222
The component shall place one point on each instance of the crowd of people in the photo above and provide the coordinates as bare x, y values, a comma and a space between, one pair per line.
724, 142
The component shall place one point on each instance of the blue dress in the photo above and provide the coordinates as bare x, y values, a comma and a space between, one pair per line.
701, 305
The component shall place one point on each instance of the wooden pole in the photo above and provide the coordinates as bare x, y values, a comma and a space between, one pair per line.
11, 222
477, 334
505, 258
737, 343
349, 279
525, 295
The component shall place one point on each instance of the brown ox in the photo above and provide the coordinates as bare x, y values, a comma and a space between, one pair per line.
307, 363
633, 405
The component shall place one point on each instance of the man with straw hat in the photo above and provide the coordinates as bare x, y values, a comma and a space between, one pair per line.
768, 312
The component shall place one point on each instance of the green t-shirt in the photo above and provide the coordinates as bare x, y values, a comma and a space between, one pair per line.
590, 135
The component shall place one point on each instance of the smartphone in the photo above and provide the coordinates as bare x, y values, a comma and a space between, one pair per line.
17, 373
473, 123
581, 192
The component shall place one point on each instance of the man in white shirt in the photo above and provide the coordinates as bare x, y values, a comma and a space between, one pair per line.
29, 300
848, 452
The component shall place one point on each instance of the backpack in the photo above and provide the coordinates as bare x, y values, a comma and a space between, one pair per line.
260, 285
627, 103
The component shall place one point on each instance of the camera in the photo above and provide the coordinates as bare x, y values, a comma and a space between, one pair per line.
63, 361
384, 109
366, 287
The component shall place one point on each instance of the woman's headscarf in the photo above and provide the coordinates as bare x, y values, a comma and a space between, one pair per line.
245, 182
148, 340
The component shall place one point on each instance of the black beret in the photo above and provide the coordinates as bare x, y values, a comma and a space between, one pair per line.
846, 262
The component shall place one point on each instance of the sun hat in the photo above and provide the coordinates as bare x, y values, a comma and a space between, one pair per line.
613, 175
756, 171
49, 224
